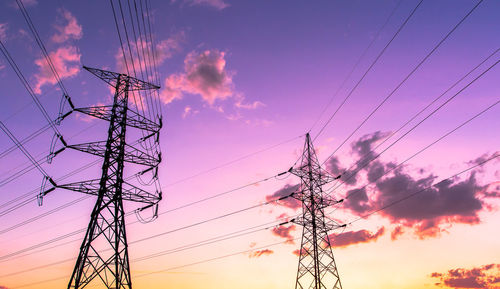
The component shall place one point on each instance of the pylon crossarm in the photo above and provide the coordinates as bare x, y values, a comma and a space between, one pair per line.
319, 178
111, 78
132, 154
129, 191
135, 194
100, 111
133, 118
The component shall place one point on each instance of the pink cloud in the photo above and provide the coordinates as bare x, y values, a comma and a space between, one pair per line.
240, 103
3, 31
284, 232
164, 50
71, 30
218, 4
188, 110
483, 277
354, 237
66, 61
260, 253
205, 74
297, 252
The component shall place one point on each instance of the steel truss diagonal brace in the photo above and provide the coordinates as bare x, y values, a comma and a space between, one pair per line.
133, 118
131, 154
325, 227
322, 201
129, 191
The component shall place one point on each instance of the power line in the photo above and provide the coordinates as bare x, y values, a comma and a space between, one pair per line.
184, 179
24, 151
10, 255
431, 144
369, 68
421, 121
173, 268
416, 115
129, 213
233, 161
407, 77
30, 91
217, 239
358, 61
45, 53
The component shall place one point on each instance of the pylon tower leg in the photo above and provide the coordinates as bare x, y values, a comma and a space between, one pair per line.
103, 254
317, 268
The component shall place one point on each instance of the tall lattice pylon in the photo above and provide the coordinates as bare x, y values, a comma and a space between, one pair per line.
317, 268
103, 259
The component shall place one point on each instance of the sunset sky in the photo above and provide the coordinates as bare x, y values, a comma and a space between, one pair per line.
242, 82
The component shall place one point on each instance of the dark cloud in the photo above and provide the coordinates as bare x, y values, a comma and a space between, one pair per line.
446, 202
354, 237
408, 198
286, 191
426, 213
375, 171
260, 253
3, 287
334, 167
362, 151
358, 201
481, 159
492, 190
284, 232
484, 277
363, 146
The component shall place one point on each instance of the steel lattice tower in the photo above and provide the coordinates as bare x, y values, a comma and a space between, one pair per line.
317, 268
103, 254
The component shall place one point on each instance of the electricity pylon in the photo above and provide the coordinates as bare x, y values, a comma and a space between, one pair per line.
104, 251
317, 268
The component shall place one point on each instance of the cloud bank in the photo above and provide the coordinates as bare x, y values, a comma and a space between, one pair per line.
483, 277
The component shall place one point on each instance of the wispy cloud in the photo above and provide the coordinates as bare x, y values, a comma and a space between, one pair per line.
218, 4
188, 110
260, 253
69, 30
3, 31
164, 49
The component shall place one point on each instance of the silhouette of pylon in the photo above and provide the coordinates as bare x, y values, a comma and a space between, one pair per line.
317, 268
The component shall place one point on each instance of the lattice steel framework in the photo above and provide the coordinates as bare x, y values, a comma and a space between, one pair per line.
104, 251
317, 268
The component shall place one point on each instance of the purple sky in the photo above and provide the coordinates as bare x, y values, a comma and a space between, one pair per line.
238, 77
